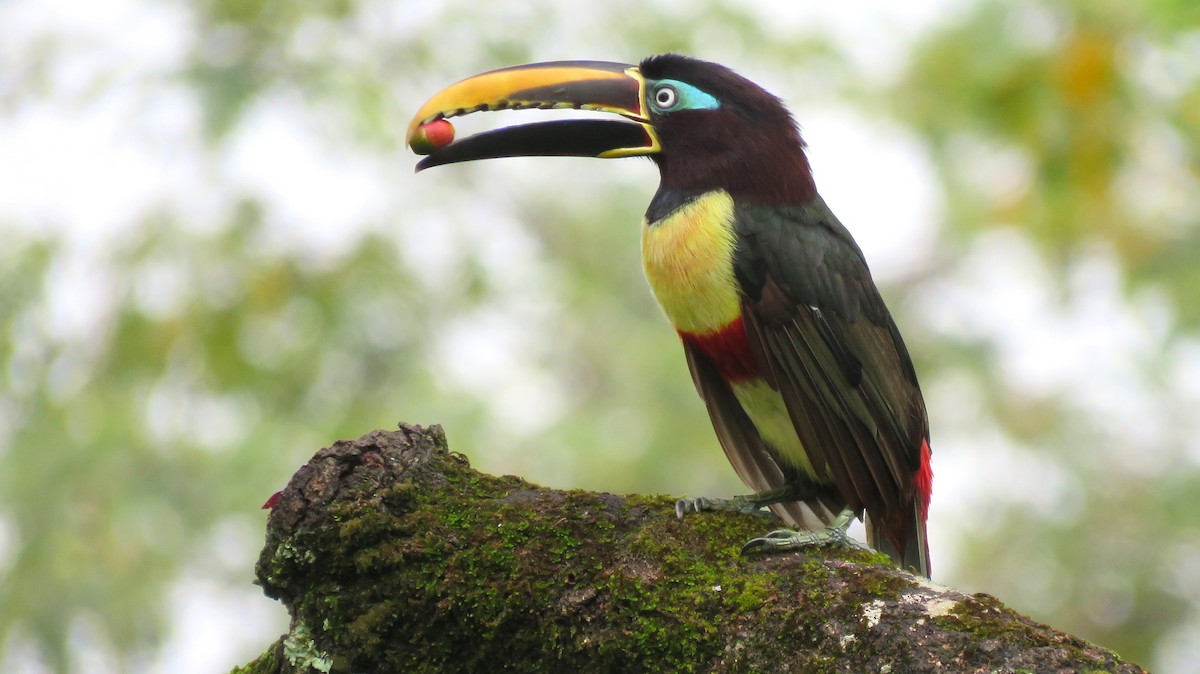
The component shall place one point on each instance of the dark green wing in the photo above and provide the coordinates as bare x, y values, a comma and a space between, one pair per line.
827, 343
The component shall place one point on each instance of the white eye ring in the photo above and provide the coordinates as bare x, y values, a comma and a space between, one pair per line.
665, 97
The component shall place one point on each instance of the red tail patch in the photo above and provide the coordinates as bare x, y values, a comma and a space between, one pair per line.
923, 480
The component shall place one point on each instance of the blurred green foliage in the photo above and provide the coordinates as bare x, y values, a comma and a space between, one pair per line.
1095, 107
222, 340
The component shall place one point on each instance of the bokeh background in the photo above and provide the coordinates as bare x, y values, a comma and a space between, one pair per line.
215, 259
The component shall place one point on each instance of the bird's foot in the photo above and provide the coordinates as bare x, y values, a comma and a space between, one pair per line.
751, 503
737, 504
787, 539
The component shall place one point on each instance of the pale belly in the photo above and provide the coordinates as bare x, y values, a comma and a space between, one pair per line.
766, 409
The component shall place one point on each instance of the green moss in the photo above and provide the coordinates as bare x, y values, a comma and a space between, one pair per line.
472, 560
753, 591
879, 582
987, 620
444, 569
300, 651
483, 558
984, 616
860, 556
816, 586
368, 628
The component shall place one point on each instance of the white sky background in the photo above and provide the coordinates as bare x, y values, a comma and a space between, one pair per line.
84, 173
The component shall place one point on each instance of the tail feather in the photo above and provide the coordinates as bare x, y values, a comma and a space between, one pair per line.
812, 515
911, 552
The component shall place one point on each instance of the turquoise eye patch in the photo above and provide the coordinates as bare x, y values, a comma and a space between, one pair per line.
671, 95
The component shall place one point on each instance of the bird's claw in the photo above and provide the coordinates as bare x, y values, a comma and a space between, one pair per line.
786, 539
749, 504
782, 540
737, 504
685, 505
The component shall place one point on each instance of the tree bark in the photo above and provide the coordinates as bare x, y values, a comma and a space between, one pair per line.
393, 555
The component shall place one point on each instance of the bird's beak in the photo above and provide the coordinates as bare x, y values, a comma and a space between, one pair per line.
582, 85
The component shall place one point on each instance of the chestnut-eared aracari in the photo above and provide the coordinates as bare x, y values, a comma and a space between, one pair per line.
809, 386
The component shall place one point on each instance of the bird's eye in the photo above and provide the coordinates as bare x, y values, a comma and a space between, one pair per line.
665, 97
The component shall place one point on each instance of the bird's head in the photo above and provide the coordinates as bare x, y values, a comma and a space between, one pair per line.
703, 124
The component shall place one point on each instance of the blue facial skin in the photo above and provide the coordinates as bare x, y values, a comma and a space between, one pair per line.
667, 96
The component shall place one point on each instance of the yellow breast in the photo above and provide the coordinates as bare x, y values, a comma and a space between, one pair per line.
688, 257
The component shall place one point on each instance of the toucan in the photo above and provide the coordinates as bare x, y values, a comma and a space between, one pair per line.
810, 388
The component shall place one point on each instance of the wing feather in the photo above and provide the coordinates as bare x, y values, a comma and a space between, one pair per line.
827, 343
